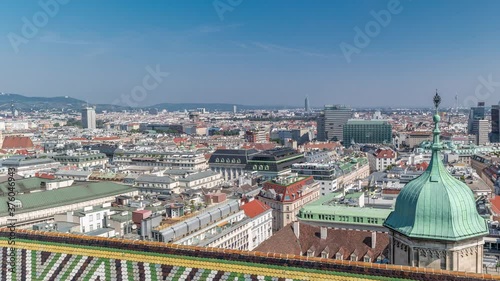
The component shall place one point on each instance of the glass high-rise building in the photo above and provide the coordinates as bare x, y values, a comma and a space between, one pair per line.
495, 123
476, 113
367, 131
331, 122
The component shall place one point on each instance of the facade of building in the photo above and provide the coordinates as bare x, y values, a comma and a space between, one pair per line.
325, 174
171, 159
435, 223
244, 230
344, 211
476, 113
29, 165
88, 118
83, 159
384, 157
89, 218
257, 136
367, 132
331, 122
274, 162
230, 163
482, 129
286, 197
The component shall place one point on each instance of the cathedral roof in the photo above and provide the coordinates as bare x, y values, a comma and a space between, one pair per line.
436, 205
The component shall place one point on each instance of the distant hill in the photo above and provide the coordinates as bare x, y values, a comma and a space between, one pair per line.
212, 106
25, 103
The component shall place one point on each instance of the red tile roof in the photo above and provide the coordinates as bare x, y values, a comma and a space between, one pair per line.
344, 241
495, 205
106, 138
287, 192
254, 208
385, 153
17, 142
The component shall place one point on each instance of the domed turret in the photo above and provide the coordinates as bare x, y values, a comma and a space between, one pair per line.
436, 205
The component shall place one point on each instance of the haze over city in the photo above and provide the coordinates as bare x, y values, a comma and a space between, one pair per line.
247, 140
254, 53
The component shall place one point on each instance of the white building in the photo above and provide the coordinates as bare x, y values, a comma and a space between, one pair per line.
384, 157
90, 218
170, 159
244, 230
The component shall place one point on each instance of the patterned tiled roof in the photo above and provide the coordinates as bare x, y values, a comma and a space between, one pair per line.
57, 256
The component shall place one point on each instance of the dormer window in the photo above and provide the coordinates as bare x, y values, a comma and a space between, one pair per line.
366, 259
354, 257
338, 256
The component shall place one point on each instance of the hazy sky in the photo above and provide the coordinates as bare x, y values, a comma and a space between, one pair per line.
253, 52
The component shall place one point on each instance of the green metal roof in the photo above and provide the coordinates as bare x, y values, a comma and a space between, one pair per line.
66, 195
325, 210
436, 205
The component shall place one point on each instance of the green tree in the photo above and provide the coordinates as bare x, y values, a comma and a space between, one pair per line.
56, 125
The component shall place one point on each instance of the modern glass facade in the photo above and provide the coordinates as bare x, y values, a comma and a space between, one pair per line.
367, 131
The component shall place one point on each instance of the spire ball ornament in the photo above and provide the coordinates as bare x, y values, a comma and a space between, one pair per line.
437, 100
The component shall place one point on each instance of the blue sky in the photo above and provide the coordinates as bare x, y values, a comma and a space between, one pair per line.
260, 52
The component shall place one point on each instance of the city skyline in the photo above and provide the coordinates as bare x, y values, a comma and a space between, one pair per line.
252, 52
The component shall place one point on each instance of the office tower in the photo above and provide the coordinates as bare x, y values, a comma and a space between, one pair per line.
306, 104
367, 131
88, 118
320, 127
476, 113
495, 123
234, 109
331, 122
481, 134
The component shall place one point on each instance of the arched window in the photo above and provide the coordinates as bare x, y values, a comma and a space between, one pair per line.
216, 160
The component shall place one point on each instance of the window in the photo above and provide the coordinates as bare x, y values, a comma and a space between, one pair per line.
353, 257
98, 225
91, 217
338, 256
366, 259
98, 216
324, 255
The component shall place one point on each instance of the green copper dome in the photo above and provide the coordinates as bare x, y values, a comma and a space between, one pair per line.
436, 205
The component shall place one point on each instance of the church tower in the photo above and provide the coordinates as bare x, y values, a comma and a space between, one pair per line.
435, 223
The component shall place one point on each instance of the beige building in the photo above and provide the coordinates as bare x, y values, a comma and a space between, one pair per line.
286, 196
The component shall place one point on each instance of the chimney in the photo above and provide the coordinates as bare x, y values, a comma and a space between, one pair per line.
374, 239
323, 231
296, 229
